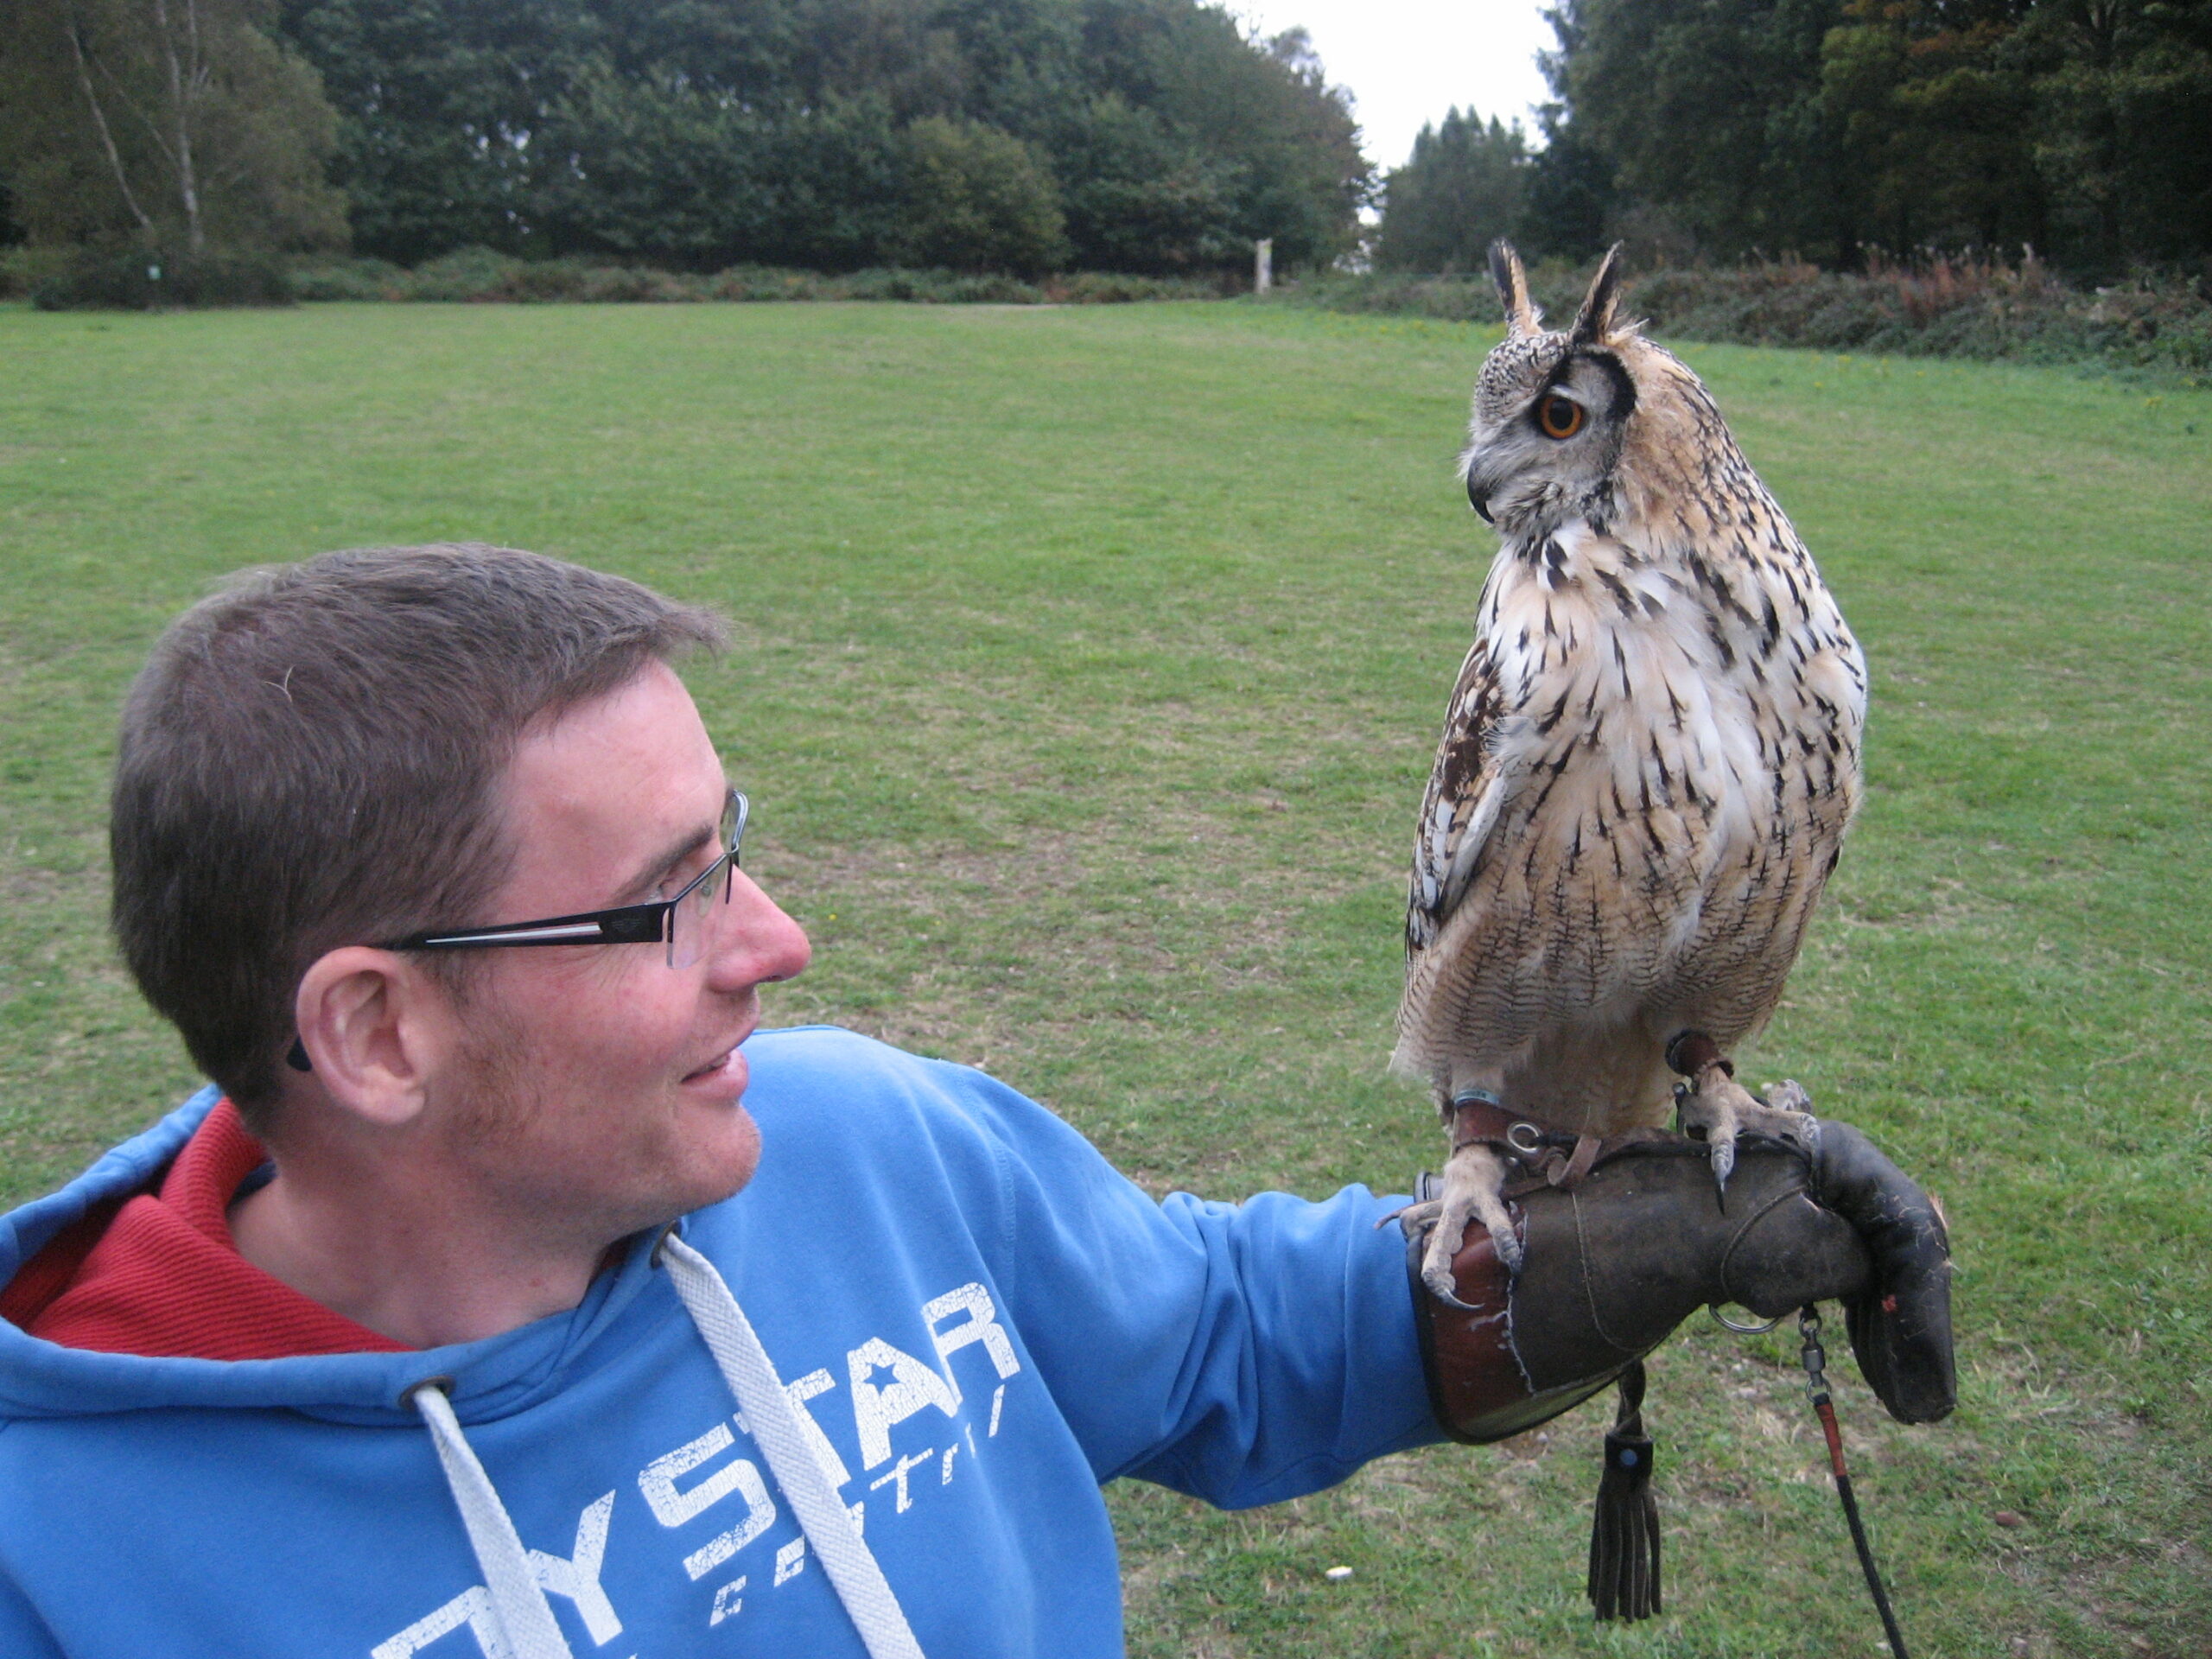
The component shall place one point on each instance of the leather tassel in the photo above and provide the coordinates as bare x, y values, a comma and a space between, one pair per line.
1625, 1530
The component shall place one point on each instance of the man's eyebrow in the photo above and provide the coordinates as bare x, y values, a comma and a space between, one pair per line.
650, 874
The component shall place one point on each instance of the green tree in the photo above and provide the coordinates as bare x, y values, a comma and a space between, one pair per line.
1934, 126
2083, 127
178, 123
1138, 195
1466, 185
441, 108
2123, 130
1711, 110
793, 130
1285, 139
1569, 209
977, 199
676, 174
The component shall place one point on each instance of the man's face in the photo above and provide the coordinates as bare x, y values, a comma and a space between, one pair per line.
599, 1087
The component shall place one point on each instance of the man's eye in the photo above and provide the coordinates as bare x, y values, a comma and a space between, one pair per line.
684, 875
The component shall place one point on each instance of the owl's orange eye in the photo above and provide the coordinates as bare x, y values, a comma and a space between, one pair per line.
1560, 418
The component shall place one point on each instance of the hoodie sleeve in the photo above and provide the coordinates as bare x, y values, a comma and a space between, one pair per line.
1243, 1353
24, 1634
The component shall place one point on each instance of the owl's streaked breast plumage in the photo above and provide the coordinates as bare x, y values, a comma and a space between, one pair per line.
1649, 763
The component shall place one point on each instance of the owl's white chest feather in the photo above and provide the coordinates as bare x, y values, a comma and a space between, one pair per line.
1675, 758
1635, 674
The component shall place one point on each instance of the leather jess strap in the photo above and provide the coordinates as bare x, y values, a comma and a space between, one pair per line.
1480, 1119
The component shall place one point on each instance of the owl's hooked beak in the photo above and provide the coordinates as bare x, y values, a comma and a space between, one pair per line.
1479, 497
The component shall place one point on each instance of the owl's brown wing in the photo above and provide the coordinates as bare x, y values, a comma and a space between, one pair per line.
1460, 809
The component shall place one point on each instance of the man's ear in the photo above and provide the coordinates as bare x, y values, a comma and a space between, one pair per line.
377, 1033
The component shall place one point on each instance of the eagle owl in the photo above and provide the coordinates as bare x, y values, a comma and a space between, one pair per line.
1648, 765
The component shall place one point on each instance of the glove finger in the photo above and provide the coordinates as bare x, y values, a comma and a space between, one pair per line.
1901, 1327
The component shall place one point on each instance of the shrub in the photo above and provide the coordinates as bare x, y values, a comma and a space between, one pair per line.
1936, 306
93, 279
475, 275
348, 279
1117, 288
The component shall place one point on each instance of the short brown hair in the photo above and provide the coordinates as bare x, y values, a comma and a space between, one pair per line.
311, 758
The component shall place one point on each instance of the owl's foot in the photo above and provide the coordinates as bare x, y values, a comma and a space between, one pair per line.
1474, 1190
1715, 1109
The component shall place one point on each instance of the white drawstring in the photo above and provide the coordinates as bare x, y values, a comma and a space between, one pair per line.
518, 1601
775, 1423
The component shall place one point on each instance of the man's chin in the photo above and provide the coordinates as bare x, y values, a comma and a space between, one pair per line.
723, 1168
691, 1173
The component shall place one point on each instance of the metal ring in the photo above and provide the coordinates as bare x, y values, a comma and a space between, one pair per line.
1534, 1143
1727, 1324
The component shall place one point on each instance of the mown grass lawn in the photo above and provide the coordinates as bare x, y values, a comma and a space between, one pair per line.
1089, 666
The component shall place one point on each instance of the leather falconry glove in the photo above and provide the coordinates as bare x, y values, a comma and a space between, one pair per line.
1614, 1260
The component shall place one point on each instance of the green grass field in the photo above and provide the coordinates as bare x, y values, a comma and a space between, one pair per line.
1089, 666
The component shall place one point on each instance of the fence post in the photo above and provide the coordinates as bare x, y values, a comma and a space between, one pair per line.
1263, 265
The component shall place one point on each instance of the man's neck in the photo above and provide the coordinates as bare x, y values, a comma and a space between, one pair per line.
422, 1265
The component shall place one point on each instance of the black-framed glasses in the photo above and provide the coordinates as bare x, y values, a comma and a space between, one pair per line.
683, 922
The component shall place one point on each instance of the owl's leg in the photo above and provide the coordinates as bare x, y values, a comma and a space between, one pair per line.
1474, 1190
1473, 1186
1715, 1109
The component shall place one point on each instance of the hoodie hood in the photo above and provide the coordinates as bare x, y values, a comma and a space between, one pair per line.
491, 1378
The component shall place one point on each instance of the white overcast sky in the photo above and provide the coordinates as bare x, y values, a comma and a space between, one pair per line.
1407, 61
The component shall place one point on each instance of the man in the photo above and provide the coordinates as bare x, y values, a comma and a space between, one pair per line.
508, 1292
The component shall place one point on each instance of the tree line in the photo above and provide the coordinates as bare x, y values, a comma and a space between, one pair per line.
1830, 129
1022, 136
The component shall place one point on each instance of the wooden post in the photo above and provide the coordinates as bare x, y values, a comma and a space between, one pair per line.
1263, 265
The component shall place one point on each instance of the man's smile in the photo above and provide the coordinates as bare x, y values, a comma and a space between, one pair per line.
729, 1064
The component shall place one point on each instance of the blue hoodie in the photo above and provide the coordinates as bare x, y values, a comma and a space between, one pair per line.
980, 1318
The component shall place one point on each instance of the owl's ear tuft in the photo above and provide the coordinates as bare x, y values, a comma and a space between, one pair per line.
1594, 322
1520, 317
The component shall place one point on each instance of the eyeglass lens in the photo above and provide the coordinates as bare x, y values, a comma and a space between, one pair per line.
692, 925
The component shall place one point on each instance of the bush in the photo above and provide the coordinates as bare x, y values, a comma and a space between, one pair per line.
1938, 305
91, 279
478, 275
1117, 288
348, 279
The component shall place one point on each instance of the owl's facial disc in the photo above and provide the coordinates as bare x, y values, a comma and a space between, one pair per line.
1546, 438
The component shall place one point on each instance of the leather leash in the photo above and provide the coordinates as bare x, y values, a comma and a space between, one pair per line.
1816, 1385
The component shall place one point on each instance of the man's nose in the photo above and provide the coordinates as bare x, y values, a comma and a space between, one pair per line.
756, 941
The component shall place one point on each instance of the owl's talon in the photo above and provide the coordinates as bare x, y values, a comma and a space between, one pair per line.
1416, 1220
1507, 1243
1445, 1289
